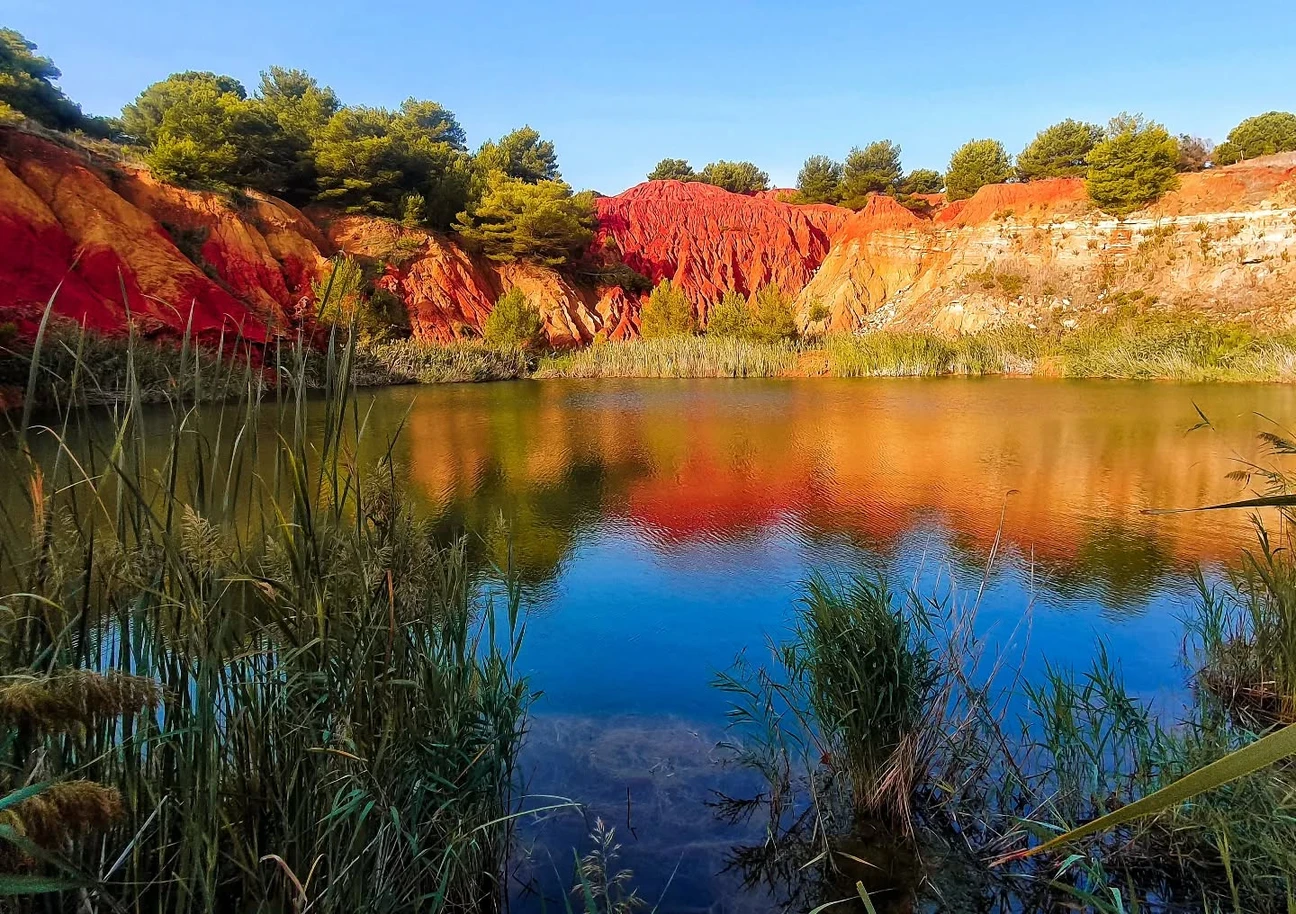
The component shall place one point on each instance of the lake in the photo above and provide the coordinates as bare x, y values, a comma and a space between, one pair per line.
664, 526
661, 528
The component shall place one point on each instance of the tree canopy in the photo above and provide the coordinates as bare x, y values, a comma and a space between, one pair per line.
672, 170
542, 222
975, 164
739, 177
1262, 135
1059, 151
875, 169
1133, 166
730, 317
819, 180
922, 181
520, 154
27, 84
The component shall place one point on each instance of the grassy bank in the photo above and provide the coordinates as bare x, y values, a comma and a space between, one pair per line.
1136, 348
209, 708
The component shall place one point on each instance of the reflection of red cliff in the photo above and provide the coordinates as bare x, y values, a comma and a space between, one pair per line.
708, 241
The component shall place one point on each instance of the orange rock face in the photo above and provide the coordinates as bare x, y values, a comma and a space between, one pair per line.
708, 241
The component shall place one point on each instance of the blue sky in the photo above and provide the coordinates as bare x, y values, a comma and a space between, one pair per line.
618, 85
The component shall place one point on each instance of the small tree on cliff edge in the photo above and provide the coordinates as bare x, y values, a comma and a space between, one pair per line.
540, 223
738, 177
668, 312
1059, 151
819, 180
875, 169
1133, 166
974, 165
515, 323
672, 170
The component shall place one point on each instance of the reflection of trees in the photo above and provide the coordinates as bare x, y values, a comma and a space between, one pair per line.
1122, 565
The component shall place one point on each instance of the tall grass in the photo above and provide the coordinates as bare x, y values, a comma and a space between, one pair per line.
673, 357
340, 712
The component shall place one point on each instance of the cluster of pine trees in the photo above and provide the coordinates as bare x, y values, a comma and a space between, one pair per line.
294, 138
1128, 164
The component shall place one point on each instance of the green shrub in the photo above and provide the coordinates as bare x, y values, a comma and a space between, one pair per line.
975, 164
819, 180
540, 223
773, 317
739, 177
672, 170
1133, 167
668, 312
1262, 135
1060, 151
729, 317
515, 323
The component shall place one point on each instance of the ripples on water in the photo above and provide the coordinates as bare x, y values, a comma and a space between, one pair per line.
662, 527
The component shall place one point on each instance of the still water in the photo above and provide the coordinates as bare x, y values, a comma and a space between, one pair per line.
663, 527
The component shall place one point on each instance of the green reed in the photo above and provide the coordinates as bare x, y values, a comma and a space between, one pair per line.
673, 357
340, 713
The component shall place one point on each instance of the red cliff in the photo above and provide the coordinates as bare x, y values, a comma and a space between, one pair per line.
708, 241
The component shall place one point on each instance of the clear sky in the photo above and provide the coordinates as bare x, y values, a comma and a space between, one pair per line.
619, 85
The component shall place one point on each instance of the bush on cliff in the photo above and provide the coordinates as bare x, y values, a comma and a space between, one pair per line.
668, 312
1059, 151
672, 170
875, 169
1262, 135
515, 323
1194, 152
27, 85
819, 180
541, 223
1133, 166
520, 154
974, 165
739, 177
921, 181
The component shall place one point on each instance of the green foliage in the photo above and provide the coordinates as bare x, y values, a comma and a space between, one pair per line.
974, 165
543, 222
875, 169
1133, 167
819, 180
301, 108
515, 323
205, 131
922, 181
1264, 134
672, 170
673, 357
1226, 153
520, 154
370, 159
729, 317
1060, 151
738, 177
27, 85
773, 317
668, 312
339, 293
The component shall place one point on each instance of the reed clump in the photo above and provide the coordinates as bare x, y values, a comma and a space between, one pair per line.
302, 697
674, 357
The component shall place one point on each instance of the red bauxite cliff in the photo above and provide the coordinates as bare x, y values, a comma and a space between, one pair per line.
109, 237
708, 241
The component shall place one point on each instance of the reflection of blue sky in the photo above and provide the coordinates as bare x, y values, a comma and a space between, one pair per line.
633, 628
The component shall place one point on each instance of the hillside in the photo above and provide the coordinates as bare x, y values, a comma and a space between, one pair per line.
110, 238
